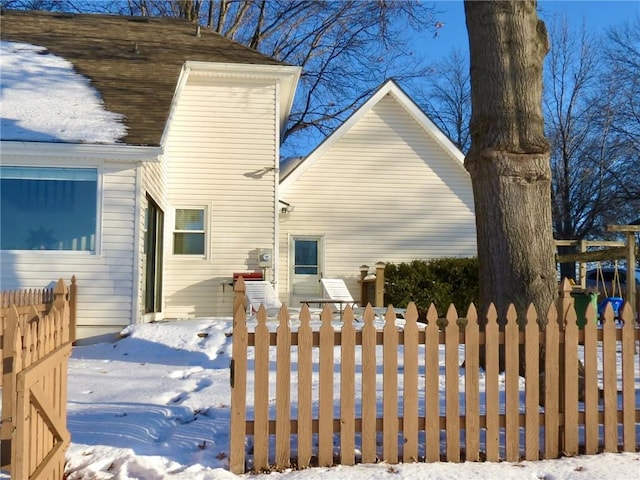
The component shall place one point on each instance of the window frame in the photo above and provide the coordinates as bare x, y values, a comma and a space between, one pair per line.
97, 251
204, 209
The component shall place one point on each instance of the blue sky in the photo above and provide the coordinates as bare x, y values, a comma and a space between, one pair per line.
596, 15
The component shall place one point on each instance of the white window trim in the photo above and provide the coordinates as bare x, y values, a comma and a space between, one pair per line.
205, 231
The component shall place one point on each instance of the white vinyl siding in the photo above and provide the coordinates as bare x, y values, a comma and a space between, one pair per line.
154, 182
385, 191
105, 279
221, 149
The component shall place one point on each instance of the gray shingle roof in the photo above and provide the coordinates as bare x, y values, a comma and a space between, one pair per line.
134, 62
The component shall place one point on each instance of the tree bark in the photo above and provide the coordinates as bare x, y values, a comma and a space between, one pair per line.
509, 156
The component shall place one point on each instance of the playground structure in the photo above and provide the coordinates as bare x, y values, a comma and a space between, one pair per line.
610, 251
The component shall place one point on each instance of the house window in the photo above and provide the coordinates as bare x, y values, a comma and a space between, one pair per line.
48, 208
189, 232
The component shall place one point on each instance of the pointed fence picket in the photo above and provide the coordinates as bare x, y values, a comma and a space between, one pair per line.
398, 397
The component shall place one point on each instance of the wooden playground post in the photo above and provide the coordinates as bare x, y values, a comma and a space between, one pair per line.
380, 284
583, 266
364, 297
630, 231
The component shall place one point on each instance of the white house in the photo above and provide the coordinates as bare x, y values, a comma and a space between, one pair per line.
387, 185
152, 220
170, 182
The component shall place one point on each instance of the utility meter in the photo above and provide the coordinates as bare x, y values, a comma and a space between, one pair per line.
265, 257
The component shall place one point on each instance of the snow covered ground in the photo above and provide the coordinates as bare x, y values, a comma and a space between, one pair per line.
155, 405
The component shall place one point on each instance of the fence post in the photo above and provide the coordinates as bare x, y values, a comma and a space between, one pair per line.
628, 380
631, 261
59, 300
380, 284
239, 295
73, 308
9, 371
238, 379
325, 389
565, 302
364, 294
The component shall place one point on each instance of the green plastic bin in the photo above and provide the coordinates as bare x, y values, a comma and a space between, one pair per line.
581, 302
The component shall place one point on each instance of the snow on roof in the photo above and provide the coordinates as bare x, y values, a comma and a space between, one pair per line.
43, 99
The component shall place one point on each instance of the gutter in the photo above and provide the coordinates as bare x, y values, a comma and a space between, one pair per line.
111, 152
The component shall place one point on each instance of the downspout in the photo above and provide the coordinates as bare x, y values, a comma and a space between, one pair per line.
136, 313
276, 196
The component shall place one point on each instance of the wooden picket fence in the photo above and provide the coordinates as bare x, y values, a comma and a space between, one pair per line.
41, 299
390, 410
36, 332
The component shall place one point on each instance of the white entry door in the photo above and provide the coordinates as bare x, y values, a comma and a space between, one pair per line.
306, 268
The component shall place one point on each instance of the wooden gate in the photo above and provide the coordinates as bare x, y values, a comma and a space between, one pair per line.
34, 435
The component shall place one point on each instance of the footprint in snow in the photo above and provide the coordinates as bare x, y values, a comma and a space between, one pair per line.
179, 398
185, 374
202, 384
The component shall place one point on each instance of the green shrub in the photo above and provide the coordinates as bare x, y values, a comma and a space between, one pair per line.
441, 281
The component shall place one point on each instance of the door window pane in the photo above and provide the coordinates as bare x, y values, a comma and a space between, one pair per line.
48, 208
306, 257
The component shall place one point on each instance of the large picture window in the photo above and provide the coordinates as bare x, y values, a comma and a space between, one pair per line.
189, 232
48, 208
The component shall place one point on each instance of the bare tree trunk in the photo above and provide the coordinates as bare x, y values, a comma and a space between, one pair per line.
190, 10
509, 162
509, 156
255, 40
210, 15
